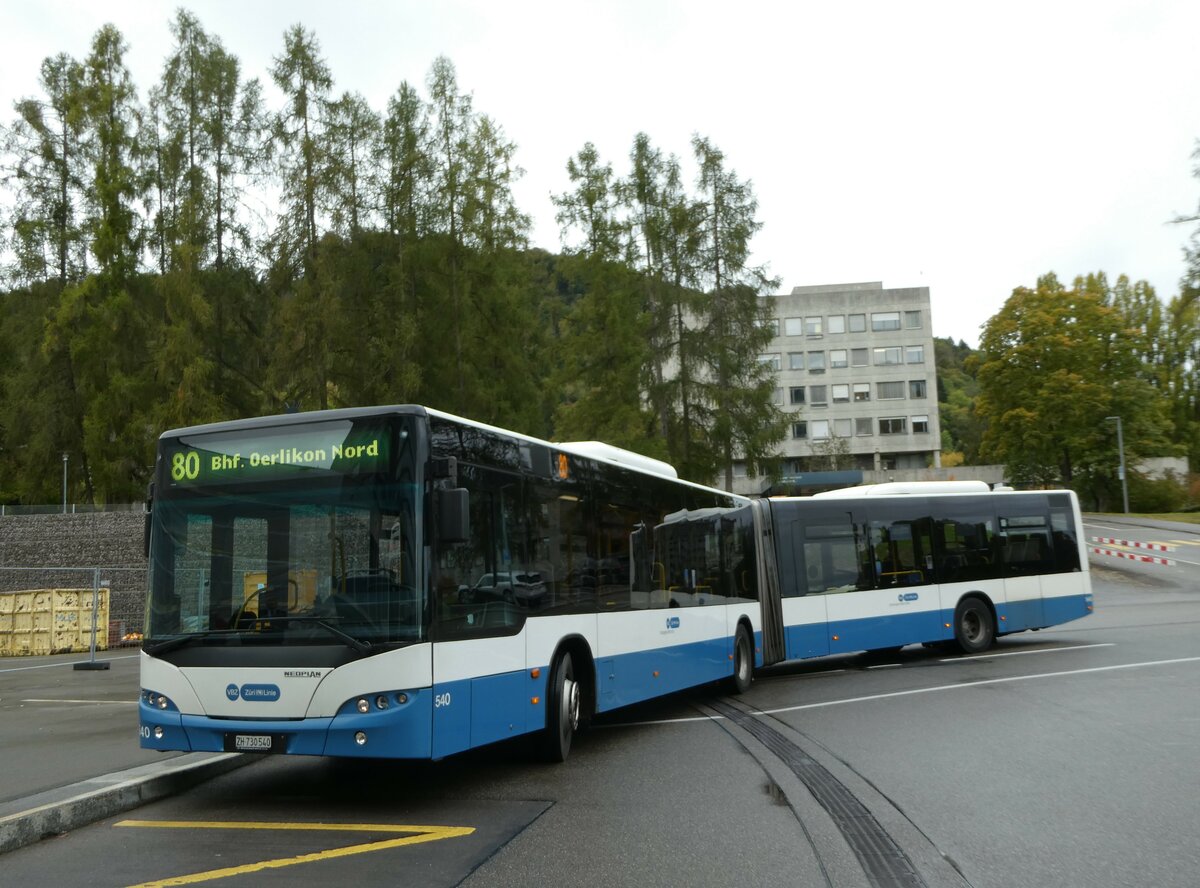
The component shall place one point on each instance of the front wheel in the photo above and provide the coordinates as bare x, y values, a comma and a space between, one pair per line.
974, 626
743, 662
562, 710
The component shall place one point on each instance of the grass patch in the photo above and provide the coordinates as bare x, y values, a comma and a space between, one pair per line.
1181, 517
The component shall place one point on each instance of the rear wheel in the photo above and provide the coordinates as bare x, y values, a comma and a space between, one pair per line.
743, 662
563, 701
974, 626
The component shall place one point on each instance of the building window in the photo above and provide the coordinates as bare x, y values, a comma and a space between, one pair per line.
890, 391
799, 430
777, 396
836, 324
892, 425
841, 394
816, 395
916, 388
739, 470
816, 362
812, 326
920, 424
771, 361
839, 358
858, 323
820, 428
862, 426
862, 391
793, 326
912, 320
887, 356
795, 360
771, 324
914, 354
858, 357
797, 394
882, 321
842, 428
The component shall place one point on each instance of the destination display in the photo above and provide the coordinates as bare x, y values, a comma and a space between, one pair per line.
316, 449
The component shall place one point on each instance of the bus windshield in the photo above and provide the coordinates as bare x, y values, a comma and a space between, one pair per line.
319, 556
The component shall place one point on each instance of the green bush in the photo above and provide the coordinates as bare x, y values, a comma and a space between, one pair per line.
1157, 495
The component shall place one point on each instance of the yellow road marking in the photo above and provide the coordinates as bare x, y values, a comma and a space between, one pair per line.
422, 834
1185, 542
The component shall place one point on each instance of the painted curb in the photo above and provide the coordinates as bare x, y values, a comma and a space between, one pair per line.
29, 820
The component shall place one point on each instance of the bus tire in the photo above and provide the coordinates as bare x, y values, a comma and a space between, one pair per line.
563, 703
743, 661
974, 626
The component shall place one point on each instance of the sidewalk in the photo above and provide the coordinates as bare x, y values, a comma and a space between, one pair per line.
70, 751
1137, 521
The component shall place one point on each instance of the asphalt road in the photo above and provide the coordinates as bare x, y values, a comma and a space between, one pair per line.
59, 725
1064, 757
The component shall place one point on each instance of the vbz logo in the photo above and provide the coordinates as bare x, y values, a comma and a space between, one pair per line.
672, 622
907, 596
232, 692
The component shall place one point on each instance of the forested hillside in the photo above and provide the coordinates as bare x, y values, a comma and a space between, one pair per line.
179, 252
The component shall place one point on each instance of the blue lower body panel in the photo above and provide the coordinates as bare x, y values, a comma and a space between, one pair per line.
632, 678
477, 711
871, 633
1067, 608
400, 731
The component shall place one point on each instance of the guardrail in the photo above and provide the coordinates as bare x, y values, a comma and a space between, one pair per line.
1132, 556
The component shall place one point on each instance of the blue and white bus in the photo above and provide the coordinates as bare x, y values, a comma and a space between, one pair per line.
399, 582
880, 567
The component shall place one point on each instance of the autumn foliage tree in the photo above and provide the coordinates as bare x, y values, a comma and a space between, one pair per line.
1055, 364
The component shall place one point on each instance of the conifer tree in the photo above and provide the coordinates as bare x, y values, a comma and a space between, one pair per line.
47, 169
744, 421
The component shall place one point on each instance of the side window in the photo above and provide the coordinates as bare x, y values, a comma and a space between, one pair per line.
618, 524
1025, 544
476, 589
902, 552
563, 538
966, 547
833, 558
1062, 529
679, 556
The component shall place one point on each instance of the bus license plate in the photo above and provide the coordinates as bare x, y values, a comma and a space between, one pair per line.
253, 742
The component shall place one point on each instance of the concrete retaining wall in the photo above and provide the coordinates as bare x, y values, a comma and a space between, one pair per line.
32, 546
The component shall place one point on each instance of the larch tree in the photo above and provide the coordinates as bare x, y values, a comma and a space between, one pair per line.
743, 420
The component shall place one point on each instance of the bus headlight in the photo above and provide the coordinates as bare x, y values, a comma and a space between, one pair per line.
155, 700
381, 702
363, 705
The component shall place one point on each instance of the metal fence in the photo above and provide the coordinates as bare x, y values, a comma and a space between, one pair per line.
70, 508
57, 610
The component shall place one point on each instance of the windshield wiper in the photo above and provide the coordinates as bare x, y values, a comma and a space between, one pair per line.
358, 644
170, 644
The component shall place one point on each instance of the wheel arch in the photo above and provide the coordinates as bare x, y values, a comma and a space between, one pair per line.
755, 647
986, 599
585, 670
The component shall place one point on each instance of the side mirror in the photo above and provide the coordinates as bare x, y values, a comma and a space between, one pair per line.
149, 510
454, 515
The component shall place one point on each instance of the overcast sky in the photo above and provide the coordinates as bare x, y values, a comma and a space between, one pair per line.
965, 147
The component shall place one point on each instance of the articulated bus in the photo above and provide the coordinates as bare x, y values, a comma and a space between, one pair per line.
399, 582
940, 563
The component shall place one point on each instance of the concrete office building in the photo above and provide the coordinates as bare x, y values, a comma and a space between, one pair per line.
856, 374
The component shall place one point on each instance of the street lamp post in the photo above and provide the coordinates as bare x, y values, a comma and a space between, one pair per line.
64, 482
1121, 452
